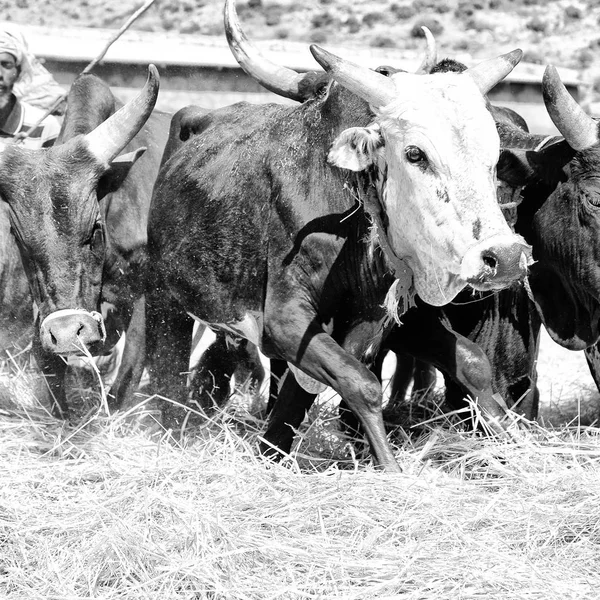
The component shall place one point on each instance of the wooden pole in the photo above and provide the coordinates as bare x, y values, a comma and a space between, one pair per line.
138, 13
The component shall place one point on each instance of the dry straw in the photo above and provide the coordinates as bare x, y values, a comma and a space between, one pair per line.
104, 507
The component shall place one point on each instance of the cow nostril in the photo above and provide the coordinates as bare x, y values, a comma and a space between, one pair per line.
53, 339
490, 260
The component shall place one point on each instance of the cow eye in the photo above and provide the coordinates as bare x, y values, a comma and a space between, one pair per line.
594, 200
96, 240
414, 154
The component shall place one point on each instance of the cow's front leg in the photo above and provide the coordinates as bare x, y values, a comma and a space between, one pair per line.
133, 360
431, 341
211, 379
592, 356
168, 337
316, 353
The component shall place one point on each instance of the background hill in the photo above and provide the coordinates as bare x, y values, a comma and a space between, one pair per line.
561, 32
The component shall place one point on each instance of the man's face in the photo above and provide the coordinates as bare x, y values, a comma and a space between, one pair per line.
8, 73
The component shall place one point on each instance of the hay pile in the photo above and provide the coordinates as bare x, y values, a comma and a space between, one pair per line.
107, 509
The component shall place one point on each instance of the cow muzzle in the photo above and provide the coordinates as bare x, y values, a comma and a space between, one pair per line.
69, 331
496, 263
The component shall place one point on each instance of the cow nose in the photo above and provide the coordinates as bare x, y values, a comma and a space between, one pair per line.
496, 263
490, 261
66, 331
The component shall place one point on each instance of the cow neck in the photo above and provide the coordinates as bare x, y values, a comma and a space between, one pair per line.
401, 295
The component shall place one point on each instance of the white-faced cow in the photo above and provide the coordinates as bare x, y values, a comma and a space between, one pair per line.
258, 224
558, 215
79, 217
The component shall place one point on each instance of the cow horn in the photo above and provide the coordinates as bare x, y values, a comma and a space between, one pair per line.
490, 72
430, 59
375, 88
574, 124
110, 137
276, 78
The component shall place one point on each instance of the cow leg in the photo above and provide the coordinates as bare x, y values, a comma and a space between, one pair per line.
278, 370
286, 416
318, 355
402, 377
506, 326
455, 355
212, 375
249, 370
168, 336
424, 377
592, 356
53, 368
133, 360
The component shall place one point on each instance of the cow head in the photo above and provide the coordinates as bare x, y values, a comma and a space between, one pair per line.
434, 147
53, 195
563, 204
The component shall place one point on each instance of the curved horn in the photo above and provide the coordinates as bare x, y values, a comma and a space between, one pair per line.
574, 124
490, 72
276, 78
430, 59
375, 88
111, 136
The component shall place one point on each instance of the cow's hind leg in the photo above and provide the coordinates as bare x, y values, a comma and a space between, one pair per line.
286, 416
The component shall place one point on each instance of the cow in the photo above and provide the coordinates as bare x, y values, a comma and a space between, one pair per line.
557, 215
78, 212
500, 330
259, 225
560, 210
209, 373
485, 345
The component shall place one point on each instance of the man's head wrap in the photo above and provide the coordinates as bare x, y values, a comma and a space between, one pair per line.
13, 44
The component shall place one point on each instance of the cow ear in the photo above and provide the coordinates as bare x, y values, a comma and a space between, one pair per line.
514, 167
119, 168
356, 148
519, 167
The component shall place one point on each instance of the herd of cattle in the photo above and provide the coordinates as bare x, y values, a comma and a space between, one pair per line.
363, 219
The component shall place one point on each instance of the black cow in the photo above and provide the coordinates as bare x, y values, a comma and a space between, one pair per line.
561, 205
259, 225
79, 217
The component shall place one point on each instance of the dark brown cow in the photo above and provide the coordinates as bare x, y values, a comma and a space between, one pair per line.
79, 218
258, 225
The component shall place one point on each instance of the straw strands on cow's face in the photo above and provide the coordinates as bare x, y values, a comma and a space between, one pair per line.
102, 508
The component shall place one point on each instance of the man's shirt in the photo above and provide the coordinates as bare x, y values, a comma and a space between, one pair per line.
21, 119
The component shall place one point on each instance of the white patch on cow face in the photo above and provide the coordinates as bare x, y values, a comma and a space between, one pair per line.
440, 149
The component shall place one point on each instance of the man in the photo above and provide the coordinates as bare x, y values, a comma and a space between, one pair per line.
18, 117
